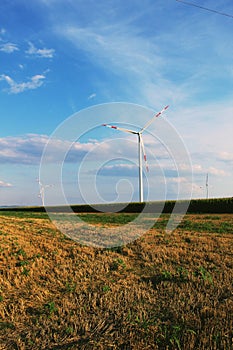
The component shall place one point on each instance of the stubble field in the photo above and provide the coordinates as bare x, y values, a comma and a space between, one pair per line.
162, 291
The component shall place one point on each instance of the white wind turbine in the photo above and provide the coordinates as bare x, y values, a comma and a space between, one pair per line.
141, 148
207, 186
42, 191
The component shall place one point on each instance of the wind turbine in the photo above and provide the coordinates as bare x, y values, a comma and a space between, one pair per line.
141, 148
42, 191
207, 186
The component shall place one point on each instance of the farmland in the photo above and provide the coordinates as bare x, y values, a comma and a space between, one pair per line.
163, 291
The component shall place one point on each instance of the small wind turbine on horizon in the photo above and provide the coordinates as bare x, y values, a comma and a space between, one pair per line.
141, 148
42, 191
207, 186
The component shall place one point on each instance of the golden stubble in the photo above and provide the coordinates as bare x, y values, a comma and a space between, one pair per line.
162, 291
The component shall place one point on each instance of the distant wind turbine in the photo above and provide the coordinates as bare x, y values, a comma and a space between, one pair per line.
207, 186
141, 148
42, 191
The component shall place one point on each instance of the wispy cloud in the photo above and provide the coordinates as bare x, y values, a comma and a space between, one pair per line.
9, 48
129, 55
44, 52
124, 50
154, 62
15, 88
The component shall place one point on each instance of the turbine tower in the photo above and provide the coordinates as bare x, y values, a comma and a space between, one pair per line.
141, 148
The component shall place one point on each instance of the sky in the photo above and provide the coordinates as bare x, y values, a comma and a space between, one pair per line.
115, 62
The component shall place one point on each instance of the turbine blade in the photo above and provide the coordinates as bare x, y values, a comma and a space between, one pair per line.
118, 128
152, 119
144, 153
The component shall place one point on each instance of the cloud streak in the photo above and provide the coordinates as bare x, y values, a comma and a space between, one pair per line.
122, 50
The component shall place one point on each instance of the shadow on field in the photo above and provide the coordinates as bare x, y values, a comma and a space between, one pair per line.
69, 346
164, 277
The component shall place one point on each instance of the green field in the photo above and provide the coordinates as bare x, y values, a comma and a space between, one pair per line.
212, 205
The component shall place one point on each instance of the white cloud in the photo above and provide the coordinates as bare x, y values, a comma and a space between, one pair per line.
199, 169
225, 156
5, 184
2, 31
15, 88
22, 149
90, 97
9, 48
119, 170
177, 180
28, 149
207, 131
45, 53
217, 172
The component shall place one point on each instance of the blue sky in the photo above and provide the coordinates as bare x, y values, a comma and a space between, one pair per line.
58, 57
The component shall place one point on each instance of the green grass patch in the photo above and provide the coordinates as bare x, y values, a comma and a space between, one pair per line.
24, 214
108, 218
206, 226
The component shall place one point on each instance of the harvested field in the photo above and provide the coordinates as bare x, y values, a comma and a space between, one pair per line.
162, 291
